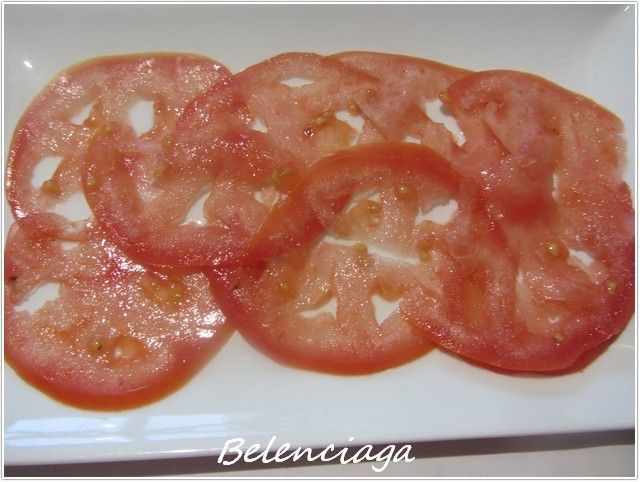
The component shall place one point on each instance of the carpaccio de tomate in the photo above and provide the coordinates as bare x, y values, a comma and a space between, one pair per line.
307, 219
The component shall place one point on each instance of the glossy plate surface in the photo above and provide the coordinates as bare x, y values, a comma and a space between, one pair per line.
589, 49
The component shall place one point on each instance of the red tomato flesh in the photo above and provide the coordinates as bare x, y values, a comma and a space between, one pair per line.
548, 164
396, 107
214, 153
297, 96
110, 86
118, 335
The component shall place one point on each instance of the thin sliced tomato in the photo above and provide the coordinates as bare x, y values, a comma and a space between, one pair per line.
214, 155
375, 248
109, 87
397, 107
118, 334
548, 163
522, 131
560, 310
298, 98
568, 155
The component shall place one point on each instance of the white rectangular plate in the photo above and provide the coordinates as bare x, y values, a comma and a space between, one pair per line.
589, 49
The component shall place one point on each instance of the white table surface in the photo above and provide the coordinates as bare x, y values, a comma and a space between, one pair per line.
596, 454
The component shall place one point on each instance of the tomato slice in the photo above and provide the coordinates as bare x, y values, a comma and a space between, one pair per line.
118, 335
376, 248
522, 130
297, 97
214, 154
548, 163
560, 310
396, 108
110, 87
573, 152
